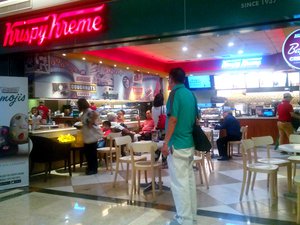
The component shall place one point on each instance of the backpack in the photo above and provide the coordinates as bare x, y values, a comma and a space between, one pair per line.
161, 121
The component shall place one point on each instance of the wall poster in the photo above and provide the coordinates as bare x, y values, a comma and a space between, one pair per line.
14, 147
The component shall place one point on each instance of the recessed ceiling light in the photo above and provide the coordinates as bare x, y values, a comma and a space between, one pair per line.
115, 65
230, 44
64, 54
100, 62
199, 55
240, 52
83, 58
127, 68
184, 49
138, 70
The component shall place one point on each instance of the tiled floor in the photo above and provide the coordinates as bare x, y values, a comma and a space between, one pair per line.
91, 199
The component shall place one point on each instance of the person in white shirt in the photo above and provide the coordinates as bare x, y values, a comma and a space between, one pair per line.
158, 107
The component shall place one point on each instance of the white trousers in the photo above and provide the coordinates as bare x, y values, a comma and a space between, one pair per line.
183, 185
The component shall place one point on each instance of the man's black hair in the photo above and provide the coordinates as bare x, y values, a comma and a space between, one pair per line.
177, 75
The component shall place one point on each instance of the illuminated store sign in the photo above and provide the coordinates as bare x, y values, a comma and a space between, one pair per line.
291, 49
53, 26
241, 63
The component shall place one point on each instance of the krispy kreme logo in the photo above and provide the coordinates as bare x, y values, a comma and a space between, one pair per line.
53, 26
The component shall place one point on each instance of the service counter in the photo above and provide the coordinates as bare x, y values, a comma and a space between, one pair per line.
260, 126
66, 120
53, 132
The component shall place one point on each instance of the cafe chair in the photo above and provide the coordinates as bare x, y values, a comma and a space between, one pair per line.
294, 159
265, 142
297, 182
109, 150
207, 155
199, 161
230, 144
149, 165
250, 166
47, 151
119, 142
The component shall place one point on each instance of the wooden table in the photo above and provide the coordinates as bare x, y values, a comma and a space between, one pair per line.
292, 148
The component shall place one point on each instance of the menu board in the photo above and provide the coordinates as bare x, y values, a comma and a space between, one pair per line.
252, 80
266, 79
293, 79
279, 79
229, 81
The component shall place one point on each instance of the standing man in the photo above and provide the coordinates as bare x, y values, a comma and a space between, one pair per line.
285, 113
233, 133
43, 112
179, 147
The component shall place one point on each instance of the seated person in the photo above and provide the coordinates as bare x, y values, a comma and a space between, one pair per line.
147, 126
121, 118
233, 133
106, 131
117, 127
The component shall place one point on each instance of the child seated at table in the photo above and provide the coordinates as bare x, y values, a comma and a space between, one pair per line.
106, 129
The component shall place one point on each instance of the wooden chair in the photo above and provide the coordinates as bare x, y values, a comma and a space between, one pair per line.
109, 150
207, 155
199, 160
250, 165
265, 142
230, 144
47, 151
119, 142
294, 159
149, 165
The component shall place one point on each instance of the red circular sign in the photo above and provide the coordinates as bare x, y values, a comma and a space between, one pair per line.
291, 49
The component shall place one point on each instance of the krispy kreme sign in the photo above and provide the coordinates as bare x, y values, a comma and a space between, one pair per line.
40, 30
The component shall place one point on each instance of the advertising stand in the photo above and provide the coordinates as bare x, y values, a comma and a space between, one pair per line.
14, 145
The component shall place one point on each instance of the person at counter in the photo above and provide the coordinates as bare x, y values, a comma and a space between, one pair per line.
233, 133
285, 114
43, 112
34, 118
91, 134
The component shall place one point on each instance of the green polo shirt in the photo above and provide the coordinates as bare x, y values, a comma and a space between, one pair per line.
184, 111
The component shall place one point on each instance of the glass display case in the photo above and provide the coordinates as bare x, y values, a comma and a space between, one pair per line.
132, 110
210, 115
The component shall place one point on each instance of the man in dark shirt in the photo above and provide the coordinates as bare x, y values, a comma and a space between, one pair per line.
233, 133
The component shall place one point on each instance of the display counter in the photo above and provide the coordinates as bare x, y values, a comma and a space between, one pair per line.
260, 126
66, 120
53, 132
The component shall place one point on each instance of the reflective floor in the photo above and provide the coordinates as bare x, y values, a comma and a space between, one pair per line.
82, 199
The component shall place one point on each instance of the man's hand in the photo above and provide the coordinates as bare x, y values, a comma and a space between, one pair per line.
165, 150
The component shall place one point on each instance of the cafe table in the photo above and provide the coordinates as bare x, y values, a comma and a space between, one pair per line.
290, 148
147, 186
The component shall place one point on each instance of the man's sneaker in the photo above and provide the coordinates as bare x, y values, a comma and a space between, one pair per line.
173, 222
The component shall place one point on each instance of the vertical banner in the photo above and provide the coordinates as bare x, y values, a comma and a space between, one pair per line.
14, 147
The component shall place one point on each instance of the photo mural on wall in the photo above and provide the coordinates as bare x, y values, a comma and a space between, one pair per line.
69, 78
